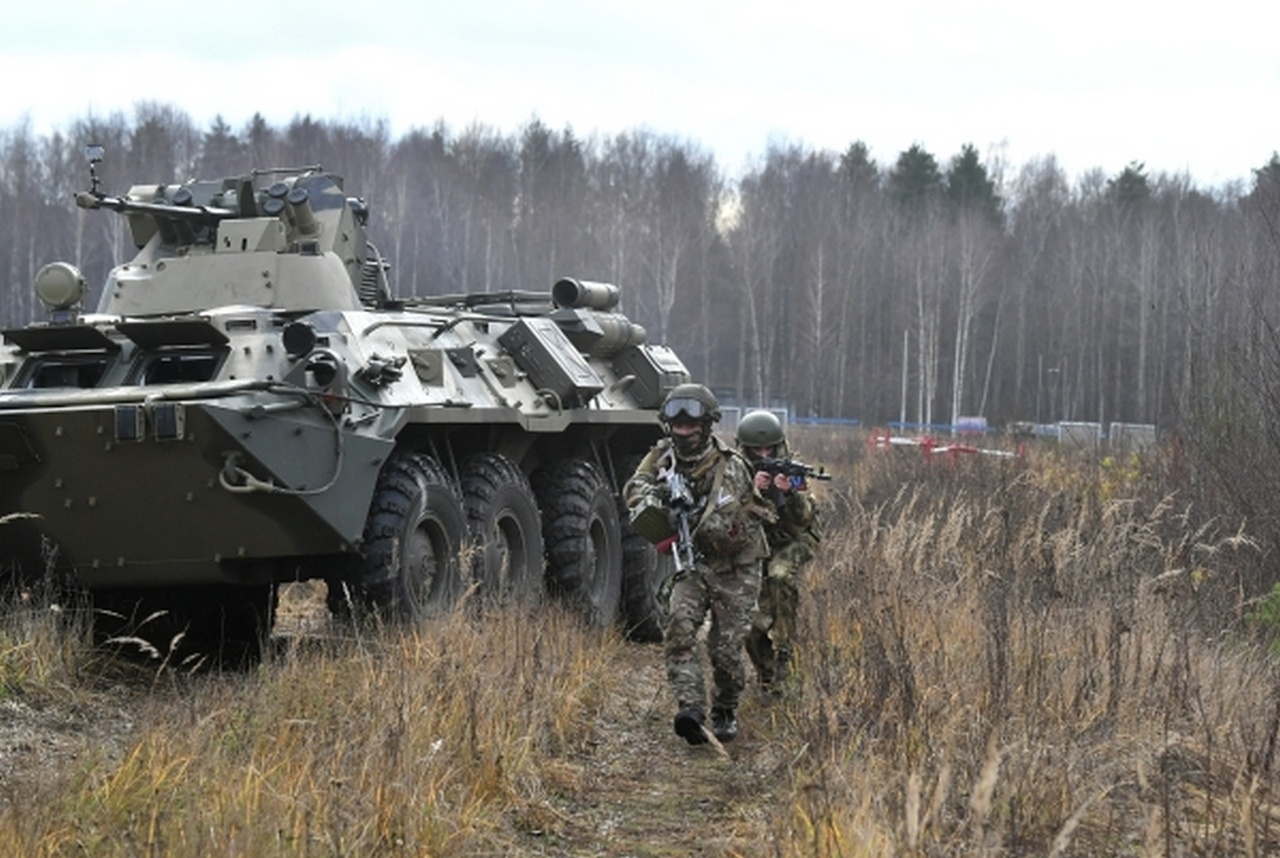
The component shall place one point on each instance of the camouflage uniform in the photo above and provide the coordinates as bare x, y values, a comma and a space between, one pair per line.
792, 539
729, 543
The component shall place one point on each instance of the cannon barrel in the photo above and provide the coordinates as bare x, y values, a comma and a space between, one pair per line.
584, 294
204, 214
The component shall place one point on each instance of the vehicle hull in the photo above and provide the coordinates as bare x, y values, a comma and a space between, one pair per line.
161, 512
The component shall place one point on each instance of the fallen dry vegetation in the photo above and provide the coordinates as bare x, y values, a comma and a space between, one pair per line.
1000, 657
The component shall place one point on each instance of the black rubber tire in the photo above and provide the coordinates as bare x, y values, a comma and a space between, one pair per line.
409, 567
643, 571
505, 530
583, 537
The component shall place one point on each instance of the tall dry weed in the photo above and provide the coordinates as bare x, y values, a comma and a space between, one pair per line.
414, 742
978, 604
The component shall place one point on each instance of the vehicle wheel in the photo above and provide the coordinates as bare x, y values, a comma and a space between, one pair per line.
415, 530
583, 537
505, 527
643, 571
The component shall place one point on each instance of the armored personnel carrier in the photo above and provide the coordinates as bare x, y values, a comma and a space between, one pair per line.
249, 405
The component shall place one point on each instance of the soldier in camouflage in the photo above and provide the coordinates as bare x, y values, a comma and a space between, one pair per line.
792, 538
729, 544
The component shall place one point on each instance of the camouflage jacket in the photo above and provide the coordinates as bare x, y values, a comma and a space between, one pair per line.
797, 518
730, 511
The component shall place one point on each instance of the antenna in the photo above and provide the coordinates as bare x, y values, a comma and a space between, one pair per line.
94, 152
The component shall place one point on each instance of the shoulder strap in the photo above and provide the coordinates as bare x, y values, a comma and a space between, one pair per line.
717, 480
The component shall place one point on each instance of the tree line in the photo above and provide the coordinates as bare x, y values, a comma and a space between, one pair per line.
920, 290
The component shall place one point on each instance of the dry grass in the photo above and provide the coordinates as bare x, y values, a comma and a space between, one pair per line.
414, 743
1015, 658
998, 657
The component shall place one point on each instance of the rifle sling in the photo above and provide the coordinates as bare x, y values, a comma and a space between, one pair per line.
716, 482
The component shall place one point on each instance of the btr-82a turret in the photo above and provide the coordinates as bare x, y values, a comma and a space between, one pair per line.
249, 405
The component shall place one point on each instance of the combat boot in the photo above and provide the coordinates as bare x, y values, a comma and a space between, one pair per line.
688, 725
767, 676
782, 666
762, 658
724, 723
773, 680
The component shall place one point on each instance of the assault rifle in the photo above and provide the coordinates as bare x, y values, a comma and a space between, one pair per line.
795, 470
680, 501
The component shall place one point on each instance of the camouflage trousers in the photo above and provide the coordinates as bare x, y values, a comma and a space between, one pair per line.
727, 592
773, 628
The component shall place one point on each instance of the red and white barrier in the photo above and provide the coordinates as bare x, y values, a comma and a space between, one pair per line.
931, 446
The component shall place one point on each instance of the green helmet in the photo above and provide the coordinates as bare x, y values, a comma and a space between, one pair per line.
694, 401
760, 429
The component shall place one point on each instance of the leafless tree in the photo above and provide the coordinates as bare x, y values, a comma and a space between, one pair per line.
1097, 297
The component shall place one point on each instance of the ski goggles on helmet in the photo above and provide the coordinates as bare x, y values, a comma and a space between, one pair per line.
690, 408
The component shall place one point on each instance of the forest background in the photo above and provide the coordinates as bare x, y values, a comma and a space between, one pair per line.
922, 291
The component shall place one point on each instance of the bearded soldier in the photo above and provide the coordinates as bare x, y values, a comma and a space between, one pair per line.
693, 485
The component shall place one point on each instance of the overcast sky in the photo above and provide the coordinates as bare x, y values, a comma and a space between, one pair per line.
1096, 84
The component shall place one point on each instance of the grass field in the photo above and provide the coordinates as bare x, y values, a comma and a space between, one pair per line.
1037, 655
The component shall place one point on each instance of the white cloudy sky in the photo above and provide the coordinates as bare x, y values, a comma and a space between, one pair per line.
1182, 87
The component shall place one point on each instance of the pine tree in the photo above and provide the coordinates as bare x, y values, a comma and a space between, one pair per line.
915, 178
1131, 186
970, 188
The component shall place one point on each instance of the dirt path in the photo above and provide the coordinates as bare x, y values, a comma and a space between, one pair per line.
640, 790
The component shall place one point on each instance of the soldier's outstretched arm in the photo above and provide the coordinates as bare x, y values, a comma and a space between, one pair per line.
644, 481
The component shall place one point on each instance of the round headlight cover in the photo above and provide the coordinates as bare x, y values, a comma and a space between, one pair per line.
60, 286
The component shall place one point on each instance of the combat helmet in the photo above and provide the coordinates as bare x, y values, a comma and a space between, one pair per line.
761, 428
695, 401
690, 403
